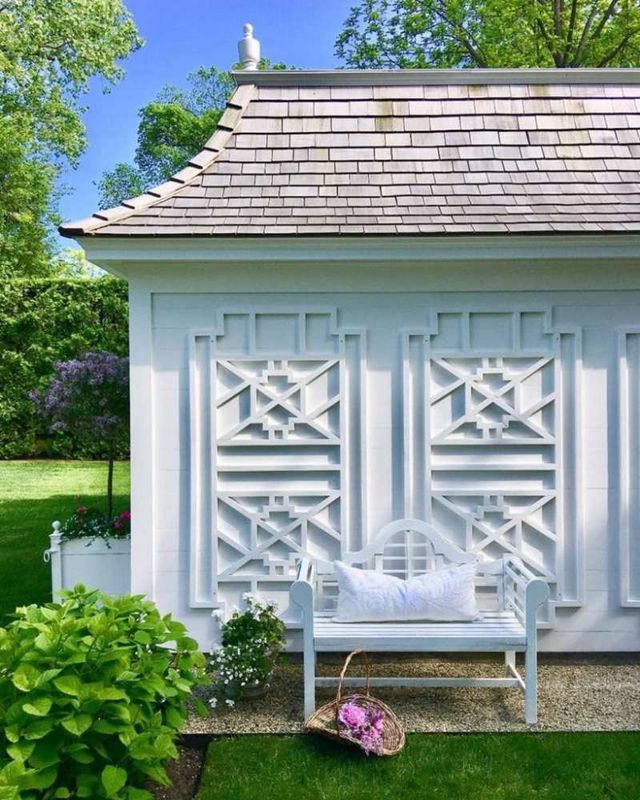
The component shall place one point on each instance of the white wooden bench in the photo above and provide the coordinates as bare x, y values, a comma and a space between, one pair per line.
410, 547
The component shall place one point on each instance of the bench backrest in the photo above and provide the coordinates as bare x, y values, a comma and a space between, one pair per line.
405, 548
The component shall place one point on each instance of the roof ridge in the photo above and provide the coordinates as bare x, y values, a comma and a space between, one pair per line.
439, 77
212, 150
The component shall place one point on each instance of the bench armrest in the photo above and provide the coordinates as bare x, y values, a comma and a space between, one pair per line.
524, 592
305, 570
301, 592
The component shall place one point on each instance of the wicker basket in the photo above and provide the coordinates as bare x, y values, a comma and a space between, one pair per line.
324, 721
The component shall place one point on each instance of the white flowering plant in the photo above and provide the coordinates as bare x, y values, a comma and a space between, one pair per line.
250, 643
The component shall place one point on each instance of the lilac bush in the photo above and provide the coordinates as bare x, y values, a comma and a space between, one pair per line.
88, 398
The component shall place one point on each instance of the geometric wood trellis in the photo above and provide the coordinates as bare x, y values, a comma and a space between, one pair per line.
629, 465
491, 439
277, 448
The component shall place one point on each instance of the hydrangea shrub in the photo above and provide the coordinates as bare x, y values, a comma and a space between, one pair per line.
93, 693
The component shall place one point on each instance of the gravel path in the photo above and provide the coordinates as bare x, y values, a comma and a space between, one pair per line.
576, 693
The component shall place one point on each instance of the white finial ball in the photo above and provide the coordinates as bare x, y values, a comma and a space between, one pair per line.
249, 49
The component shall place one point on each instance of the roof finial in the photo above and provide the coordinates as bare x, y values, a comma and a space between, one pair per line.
249, 49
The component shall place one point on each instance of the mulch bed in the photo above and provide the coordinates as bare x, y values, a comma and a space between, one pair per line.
185, 771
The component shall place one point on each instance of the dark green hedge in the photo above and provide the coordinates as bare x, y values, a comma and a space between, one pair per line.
43, 321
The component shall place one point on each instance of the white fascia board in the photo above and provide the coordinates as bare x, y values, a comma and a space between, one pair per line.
120, 254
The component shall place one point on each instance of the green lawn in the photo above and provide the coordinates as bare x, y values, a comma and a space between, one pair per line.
516, 766
32, 495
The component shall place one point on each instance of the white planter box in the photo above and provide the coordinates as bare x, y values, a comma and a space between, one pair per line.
92, 562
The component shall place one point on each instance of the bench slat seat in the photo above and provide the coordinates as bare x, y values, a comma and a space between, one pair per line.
497, 632
406, 548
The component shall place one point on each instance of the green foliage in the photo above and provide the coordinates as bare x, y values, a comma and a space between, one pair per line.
172, 129
491, 33
49, 52
91, 697
251, 641
71, 262
26, 219
42, 322
122, 182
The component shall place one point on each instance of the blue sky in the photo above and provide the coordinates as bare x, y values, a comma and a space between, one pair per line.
182, 35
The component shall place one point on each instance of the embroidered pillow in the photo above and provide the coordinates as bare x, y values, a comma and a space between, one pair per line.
444, 595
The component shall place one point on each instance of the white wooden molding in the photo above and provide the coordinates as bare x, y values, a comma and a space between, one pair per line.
143, 461
492, 438
121, 254
277, 444
628, 357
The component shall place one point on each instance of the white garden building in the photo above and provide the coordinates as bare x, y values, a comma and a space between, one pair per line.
376, 295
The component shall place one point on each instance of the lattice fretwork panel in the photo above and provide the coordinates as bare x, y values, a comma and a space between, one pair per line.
491, 443
278, 424
279, 438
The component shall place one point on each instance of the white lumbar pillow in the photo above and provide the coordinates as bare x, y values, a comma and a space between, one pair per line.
444, 595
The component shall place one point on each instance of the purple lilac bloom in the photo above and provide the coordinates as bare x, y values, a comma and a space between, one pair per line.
88, 397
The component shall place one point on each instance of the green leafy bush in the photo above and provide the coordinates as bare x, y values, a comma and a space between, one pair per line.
92, 697
41, 322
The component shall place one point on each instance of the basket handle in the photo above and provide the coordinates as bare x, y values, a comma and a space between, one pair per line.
347, 661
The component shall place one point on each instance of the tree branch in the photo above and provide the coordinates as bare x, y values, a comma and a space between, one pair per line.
547, 41
557, 17
462, 36
587, 28
570, 30
605, 17
547, 38
620, 46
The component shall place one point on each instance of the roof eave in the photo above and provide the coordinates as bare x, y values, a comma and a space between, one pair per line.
125, 252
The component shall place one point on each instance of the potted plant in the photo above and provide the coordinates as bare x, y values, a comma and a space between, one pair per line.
88, 399
90, 549
250, 643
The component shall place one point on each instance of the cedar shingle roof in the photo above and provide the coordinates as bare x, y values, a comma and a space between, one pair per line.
417, 152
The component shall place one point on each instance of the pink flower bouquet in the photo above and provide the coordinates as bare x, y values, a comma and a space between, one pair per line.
362, 724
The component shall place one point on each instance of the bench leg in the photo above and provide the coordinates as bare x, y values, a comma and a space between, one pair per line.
509, 661
531, 684
309, 668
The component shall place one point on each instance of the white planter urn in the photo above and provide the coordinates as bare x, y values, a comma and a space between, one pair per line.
94, 562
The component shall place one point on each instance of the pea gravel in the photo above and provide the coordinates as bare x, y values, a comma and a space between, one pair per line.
576, 693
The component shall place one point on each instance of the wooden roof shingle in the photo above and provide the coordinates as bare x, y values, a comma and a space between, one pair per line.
413, 152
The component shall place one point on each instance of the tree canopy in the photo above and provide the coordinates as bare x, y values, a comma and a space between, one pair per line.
49, 52
491, 33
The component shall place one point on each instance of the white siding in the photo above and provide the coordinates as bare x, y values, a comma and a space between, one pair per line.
391, 323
